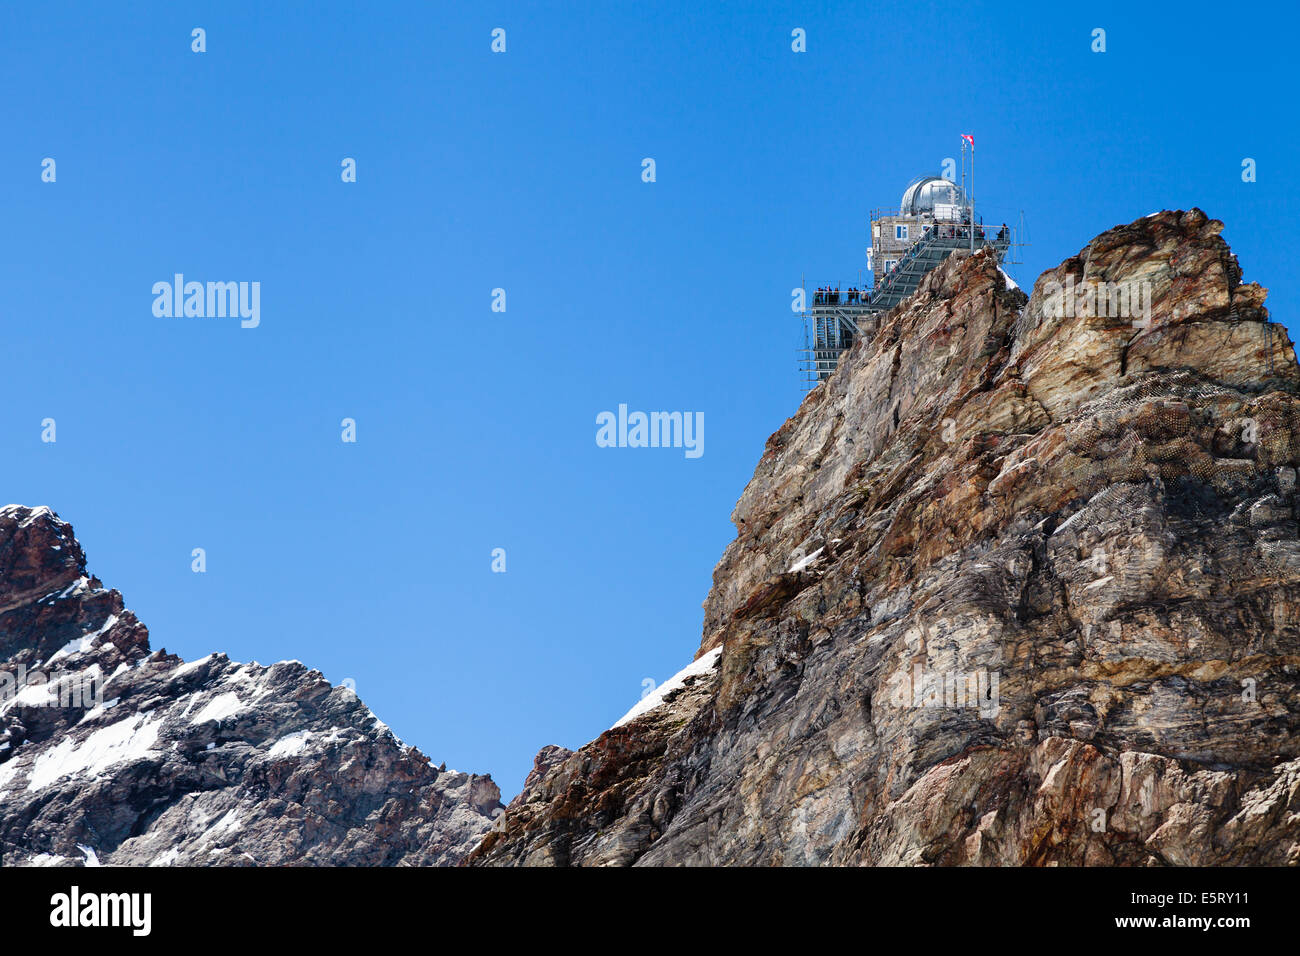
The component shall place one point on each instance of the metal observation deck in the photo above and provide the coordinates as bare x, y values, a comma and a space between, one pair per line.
835, 319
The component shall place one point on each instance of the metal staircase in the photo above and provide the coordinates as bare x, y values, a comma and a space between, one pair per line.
830, 327
930, 250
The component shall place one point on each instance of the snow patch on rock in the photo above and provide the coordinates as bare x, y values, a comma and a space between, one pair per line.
122, 742
696, 668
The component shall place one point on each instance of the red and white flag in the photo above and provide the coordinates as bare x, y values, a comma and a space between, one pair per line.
970, 138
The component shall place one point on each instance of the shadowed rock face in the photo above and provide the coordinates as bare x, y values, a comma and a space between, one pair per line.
132, 757
1019, 585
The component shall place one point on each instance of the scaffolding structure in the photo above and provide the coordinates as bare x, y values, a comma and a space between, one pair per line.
834, 319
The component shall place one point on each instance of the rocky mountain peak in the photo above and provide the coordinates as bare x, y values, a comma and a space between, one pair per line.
1016, 585
1019, 584
113, 753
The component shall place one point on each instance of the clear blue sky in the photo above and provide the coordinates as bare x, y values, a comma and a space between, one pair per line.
522, 170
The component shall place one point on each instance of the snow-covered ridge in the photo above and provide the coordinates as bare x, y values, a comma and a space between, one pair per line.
111, 751
40, 511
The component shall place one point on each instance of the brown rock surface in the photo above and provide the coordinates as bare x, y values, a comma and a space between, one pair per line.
1088, 519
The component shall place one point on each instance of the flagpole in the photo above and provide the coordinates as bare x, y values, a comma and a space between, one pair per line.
972, 195
963, 171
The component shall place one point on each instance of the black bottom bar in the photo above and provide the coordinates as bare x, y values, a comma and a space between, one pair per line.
962, 906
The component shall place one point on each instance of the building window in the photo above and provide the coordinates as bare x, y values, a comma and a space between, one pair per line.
890, 263
900, 232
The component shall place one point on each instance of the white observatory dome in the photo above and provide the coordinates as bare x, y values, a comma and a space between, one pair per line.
931, 195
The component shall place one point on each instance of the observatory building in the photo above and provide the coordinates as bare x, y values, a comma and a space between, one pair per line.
934, 220
927, 202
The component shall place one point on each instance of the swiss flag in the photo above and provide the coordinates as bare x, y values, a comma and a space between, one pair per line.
970, 138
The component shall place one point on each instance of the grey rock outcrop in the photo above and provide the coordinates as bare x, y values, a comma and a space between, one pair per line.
112, 753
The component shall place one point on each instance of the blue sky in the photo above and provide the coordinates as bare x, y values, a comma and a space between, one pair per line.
521, 171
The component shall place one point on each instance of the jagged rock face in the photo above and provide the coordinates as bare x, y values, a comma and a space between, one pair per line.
1017, 585
112, 754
